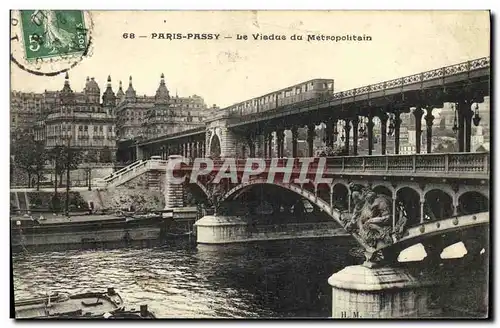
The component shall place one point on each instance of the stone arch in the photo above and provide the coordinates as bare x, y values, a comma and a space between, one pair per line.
383, 189
323, 191
340, 196
342, 182
196, 192
471, 202
410, 199
410, 186
464, 189
439, 202
443, 187
214, 149
309, 196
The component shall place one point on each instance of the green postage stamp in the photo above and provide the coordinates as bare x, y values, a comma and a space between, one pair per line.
52, 33
48, 42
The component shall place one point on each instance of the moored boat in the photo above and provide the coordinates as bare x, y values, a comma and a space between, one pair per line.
85, 230
63, 305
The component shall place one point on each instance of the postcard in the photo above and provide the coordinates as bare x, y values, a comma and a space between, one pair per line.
250, 164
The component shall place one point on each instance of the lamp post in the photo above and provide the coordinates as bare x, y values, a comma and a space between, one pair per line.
476, 119
455, 119
68, 161
89, 172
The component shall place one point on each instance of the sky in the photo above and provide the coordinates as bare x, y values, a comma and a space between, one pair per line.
227, 71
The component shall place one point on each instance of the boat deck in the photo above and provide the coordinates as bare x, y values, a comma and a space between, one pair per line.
61, 305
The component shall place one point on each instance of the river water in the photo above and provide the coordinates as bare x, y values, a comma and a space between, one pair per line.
265, 279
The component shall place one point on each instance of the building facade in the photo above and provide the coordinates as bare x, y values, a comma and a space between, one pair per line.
93, 124
148, 117
81, 120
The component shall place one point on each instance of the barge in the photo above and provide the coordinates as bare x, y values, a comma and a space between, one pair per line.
54, 232
48, 232
93, 305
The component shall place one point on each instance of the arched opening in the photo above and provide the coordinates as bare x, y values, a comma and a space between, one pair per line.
340, 195
438, 204
383, 190
215, 149
472, 202
309, 186
413, 253
274, 204
454, 251
408, 201
324, 192
194, 195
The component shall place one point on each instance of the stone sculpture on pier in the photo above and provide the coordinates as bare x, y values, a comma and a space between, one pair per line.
371, 218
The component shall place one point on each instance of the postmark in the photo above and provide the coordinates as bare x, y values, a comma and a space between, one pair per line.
49, 42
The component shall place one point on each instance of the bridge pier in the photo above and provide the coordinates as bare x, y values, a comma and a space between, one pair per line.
383, 292
226, 229
174, 193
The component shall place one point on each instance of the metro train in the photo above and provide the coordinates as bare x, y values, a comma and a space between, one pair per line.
300, 92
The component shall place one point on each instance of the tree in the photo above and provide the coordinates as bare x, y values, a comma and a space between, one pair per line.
30, 156
41, 157
59, 155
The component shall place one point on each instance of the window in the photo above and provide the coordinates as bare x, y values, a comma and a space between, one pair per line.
86, 128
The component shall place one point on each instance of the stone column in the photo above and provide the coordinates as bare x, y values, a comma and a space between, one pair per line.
347, 128
369, 125
188, 150
229, 142
197, 149
461, 108
139, 153
349, 200
280, 136
394, 214
270, 144
329, 133
250, 142
295, 136
174, 193
418, 112
335, 132
259, 146
355, 123
266, 143
422, 217
310, 138
468, 127
429, 120
397, 126
383, 132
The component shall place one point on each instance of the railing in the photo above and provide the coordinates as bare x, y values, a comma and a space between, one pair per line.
414, 163
442, 72
132, 171
436, 163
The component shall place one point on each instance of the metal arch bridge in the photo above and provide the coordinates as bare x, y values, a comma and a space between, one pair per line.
412, 234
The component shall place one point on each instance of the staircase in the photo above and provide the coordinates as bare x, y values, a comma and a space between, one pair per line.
154, 179
134, 170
